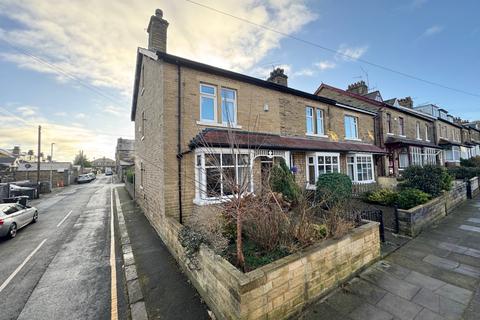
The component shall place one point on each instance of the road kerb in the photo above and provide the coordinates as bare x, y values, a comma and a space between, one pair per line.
136, 302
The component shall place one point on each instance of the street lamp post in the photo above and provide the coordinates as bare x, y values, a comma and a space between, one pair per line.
51, 160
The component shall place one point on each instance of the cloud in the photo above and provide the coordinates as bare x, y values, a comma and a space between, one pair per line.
16, 130
80, 116
264, 72
115, 111
347, 53
325, 65
60, 114
97, 45
432, 31
306, 72
27, 111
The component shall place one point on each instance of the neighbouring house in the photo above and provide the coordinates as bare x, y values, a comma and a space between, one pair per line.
62, 173
448, 133
406, 134
101, 163
7, 165
124, 156
189, 114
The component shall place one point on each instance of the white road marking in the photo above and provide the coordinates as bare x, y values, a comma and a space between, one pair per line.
469, 228
21, 266
64, 218
113, 265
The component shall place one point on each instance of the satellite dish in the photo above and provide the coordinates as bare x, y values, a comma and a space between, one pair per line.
28, 166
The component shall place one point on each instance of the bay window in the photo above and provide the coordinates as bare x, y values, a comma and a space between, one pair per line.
416, 156
453, 154
220, 172
320, 163
430, 156
208, 103
360, 168
403, 160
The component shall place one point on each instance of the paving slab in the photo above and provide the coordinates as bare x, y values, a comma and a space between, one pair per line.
441, 262
474, 220
424, 281
391, 284
469, 228
455, 293
445, 307
426, 314
369, 312
399, 307
369, 292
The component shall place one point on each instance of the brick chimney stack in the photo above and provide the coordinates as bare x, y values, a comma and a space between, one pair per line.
278, 76
406, 102
16, 150
157, 32
359, 87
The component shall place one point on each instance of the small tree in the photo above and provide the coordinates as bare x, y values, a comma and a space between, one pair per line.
82, 160
282, 181
333, 188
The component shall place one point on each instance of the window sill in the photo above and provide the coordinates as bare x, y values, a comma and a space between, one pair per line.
390, 134
364, 182
353, 139
402, 136
316, 135
216, 124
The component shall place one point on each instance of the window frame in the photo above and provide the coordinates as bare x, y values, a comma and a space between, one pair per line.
389, 123
319, 122
142, 129
210, 96
355, 125
401, 126
309, 118
418, 130
234, 122
427, 133
355, 164
201, 196
315, 164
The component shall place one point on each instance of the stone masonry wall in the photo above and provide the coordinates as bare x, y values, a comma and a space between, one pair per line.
414, 220
282, 288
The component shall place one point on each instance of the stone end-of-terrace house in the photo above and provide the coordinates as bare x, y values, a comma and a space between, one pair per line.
448, 134
407, 135
187, 114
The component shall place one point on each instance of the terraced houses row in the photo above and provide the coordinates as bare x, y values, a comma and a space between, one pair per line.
188, 114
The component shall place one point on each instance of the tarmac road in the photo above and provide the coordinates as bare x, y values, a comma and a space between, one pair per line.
59, 268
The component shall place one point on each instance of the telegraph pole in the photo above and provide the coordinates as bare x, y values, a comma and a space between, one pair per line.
51, 165
38, 153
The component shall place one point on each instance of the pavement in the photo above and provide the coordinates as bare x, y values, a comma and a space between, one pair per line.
166, 291
434, 276
59, 268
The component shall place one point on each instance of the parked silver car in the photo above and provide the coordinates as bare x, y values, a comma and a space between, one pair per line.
14, 216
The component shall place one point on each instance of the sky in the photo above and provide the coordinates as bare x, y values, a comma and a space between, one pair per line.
69, 67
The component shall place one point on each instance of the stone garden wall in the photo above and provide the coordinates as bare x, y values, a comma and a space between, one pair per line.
413, 221
280, 289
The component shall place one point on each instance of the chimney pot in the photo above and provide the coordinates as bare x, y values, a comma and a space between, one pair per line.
406, 102
278, 76
157, 32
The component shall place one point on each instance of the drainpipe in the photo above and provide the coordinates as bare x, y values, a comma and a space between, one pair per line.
179, 144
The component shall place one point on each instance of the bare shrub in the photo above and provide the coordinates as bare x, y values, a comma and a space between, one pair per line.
210, 224
337, 221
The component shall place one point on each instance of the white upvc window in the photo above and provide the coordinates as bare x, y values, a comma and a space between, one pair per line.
351, 127
430, 156
229, 107
314, 121
403, 161
427, 133
453, 154
417, 127
416, 156
360, 168
309, 120
208, 103
220, 172
320, 130
320, 163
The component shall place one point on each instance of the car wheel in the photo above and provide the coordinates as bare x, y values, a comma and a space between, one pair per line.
35, 217
12, 233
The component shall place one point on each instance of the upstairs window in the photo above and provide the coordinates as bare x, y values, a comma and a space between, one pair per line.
427, 133
142, 126
314, 121
401, 126
417, 128
229, 107
351, 127
208, 103
389, 123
